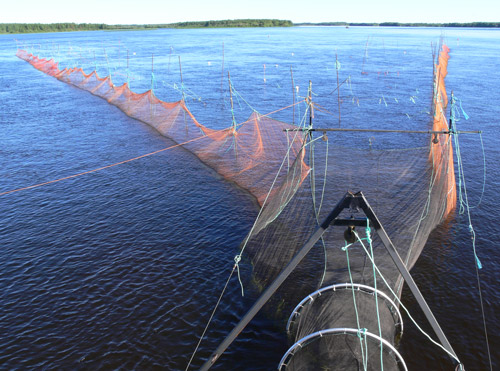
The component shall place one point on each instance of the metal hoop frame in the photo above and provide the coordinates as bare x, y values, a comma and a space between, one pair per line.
338, 331
363, 288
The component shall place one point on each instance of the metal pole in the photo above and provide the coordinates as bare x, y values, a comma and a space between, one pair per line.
404, 272
222, 73
182, 82
311, 114
338, 86
293, 95
390, 131
231, 99
264, 298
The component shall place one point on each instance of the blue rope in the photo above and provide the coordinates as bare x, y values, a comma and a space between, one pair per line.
369, 239
345, 248
478, 264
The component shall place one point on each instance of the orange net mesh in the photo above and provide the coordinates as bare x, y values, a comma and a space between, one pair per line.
248, 154
442, 153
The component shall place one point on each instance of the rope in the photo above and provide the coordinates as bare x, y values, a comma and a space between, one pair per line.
270, 189
363, 356
396, 297
369, 239
135, 158
212, 315
478, 264
237, 259
319, 210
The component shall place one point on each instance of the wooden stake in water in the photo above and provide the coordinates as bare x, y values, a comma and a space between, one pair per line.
128, 77
337, 67
364, 57
182, 82
293, 95
222, 73
169, 56
311, 113
235, 147
152, 71
231, 99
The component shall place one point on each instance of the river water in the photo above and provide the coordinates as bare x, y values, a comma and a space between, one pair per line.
121, 268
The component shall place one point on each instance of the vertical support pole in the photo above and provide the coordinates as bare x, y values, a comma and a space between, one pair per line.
169, 56
451, 125
311, 107
128, 76
293, 95
222, 73
231, 100
107, 64
337, 67
232, 114
152, 72
182, 81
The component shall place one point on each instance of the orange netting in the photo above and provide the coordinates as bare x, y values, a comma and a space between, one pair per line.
248, 154
442, 153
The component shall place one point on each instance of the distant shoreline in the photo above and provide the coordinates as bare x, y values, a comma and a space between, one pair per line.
21, 28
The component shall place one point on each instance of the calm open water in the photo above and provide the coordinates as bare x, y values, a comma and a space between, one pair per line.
120, 269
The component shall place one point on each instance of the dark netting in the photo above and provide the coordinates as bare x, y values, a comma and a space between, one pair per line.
408, 179
349, 352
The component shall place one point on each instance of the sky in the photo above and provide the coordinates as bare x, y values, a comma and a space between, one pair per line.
170, 11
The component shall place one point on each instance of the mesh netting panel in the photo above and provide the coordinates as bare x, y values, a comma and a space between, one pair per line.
409, 197
248, 154
407, 179
337, 307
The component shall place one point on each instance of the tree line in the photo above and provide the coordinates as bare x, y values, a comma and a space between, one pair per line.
399, 24
15, 28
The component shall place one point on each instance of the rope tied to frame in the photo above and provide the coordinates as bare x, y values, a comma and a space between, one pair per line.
364, 346
368, 231
362, 333
473, 238
237, 260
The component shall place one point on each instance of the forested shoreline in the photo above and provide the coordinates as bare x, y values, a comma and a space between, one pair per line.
18, 28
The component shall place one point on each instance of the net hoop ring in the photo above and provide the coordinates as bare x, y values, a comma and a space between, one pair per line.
398, 320
338, 331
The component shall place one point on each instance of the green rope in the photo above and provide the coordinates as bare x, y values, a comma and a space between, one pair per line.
396, 297
153, 81
369, 239
318, 213
456, 112
478, 264
365, 358
324, 179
